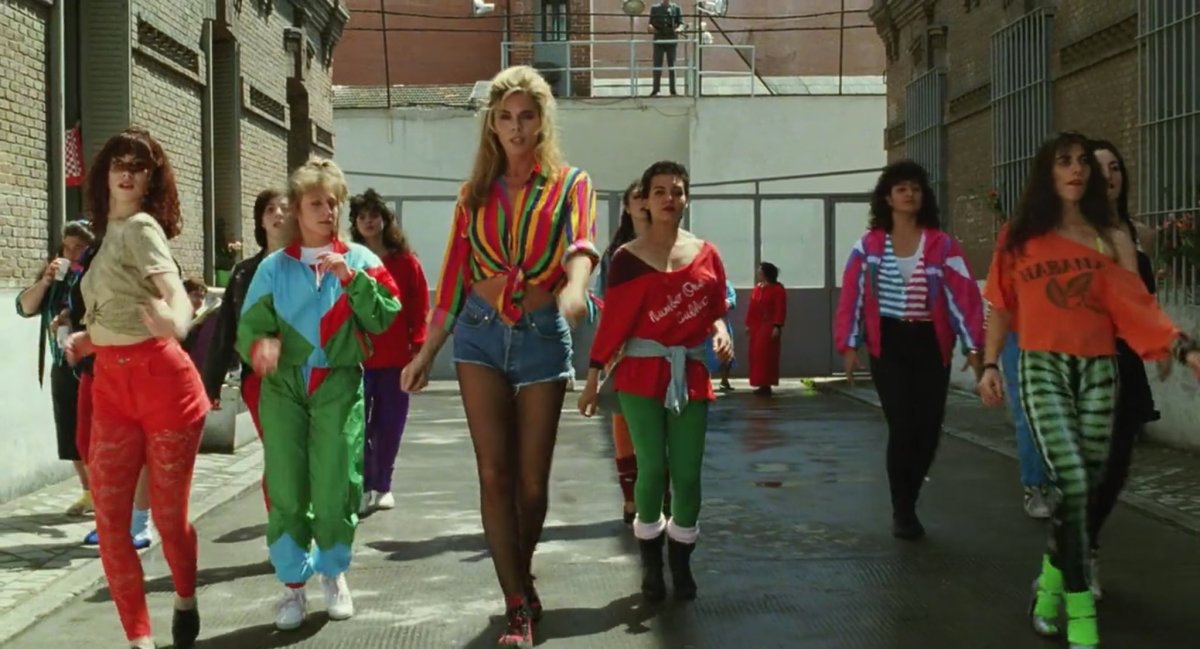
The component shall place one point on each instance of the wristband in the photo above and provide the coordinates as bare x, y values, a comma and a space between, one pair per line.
991, 366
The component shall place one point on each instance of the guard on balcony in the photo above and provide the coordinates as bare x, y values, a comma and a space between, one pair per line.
666, 23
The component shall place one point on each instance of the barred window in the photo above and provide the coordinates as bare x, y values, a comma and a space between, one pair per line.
1022, 108
1169, 131
925, 129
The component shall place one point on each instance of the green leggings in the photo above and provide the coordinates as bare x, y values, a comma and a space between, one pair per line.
1069, 401
662, 439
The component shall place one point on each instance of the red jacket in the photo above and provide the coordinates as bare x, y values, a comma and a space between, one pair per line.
396, 346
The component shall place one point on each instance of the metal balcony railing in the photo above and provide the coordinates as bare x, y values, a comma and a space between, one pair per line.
627, 78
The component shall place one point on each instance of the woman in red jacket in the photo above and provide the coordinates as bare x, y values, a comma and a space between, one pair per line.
374, 225
764, 326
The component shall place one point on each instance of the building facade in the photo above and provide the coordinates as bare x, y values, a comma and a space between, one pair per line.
975, 86
237, 92
790, 40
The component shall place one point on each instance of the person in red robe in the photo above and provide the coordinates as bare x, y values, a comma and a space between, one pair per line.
764, 326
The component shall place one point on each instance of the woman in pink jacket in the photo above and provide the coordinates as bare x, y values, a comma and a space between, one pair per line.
907, 294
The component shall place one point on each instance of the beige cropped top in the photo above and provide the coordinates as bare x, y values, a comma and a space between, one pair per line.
118, 282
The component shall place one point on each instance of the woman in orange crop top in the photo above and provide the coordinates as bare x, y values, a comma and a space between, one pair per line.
148, 401
513, 283
665, 298
1056, 267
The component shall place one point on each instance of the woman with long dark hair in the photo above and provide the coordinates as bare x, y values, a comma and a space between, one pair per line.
765, 318
907, 294
373, 225
270, 215
514, 282
1135, 402
148, 400
1057, 279
666, 297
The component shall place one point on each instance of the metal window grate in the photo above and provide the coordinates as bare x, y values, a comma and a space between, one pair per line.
1022, 107
1169, 138
925, 129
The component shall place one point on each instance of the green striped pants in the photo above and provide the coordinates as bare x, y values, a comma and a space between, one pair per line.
1069, 401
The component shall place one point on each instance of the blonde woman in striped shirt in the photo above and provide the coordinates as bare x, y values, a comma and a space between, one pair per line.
907, 294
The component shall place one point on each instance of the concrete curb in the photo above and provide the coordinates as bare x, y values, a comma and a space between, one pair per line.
1147, 506
81, 580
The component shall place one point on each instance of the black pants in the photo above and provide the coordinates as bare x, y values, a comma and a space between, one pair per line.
64, 395
664, 51
1135, 407
912, 381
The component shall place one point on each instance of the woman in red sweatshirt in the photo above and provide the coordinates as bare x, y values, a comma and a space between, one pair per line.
374, 225
665, 297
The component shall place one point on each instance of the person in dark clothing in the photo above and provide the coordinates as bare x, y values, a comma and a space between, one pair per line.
1135, 402
51, 298
666, 23
270, 208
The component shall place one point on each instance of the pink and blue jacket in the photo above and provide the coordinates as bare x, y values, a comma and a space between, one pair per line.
955, 304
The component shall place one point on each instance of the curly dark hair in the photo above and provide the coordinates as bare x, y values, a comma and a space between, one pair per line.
162, 196
261, 202
666, 168
624, 233
1040, 208
371, 202
892, 175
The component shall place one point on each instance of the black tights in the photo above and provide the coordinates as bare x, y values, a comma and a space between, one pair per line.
514, 440
912, 381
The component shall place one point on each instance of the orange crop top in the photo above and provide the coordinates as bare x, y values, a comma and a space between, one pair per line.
528, 242
1072, 299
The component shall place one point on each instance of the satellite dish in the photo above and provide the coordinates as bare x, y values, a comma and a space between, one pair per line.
633, 7
483, 8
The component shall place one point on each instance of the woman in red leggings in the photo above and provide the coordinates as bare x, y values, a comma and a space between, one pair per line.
148, 402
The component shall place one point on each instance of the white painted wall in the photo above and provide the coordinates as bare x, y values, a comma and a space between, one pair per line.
29, 458
718, 138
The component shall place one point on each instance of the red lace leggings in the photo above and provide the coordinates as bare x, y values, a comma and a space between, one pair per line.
148, 409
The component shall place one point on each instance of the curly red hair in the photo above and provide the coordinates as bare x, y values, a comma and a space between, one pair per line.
162, 196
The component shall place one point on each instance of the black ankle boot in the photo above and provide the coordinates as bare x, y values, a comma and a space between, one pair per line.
679, 555
185, 627
653, 586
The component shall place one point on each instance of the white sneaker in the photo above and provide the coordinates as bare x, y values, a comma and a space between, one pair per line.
1036, 505
293, 608
367, 502
338, 603
385, 500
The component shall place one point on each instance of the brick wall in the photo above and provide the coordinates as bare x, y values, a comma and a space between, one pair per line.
1094, 72
170, 108
266, 66
416, 56
526, 28
264, 164
166, 99
23, 165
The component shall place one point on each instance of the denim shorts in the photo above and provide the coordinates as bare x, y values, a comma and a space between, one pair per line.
536, 349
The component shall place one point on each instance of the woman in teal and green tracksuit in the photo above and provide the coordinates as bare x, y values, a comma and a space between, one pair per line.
303, 330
